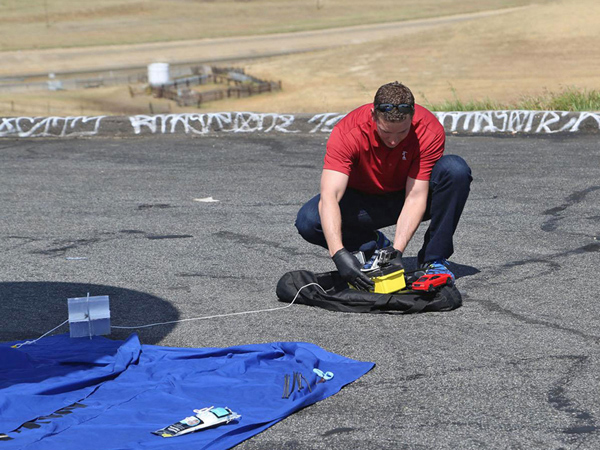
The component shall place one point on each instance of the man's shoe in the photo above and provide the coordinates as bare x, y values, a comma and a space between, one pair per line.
437, 266
382, 242
371, 263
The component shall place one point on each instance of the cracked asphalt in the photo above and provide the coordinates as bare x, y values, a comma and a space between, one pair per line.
517, 366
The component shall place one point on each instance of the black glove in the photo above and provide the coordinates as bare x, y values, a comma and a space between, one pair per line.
395, 258
349, 269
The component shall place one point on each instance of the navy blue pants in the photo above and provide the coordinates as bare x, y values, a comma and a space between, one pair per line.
363, 213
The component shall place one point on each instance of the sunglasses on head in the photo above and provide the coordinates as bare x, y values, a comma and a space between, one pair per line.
402, 107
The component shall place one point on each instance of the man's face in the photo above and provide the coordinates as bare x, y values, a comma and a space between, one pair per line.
392, 133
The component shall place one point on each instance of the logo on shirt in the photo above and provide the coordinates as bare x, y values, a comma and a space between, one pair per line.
404, 155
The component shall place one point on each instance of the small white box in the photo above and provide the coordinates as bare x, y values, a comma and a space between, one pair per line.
89, 316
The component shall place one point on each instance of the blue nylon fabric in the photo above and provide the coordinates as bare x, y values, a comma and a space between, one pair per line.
114, 393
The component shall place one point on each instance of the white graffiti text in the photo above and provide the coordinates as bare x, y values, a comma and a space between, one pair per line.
234, 122
50, 126
515, 121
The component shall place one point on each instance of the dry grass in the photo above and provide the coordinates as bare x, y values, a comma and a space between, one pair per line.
549, 46
36, 24
89, 102
501, 58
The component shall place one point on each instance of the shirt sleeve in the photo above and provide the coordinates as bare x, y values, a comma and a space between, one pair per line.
431, 148
340, 153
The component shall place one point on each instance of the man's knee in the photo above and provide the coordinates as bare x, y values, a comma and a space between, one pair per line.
304, 225
455, 169
308, 222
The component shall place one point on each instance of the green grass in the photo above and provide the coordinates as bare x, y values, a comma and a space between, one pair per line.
569, 98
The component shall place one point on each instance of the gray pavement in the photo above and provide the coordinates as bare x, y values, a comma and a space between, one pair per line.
516, 367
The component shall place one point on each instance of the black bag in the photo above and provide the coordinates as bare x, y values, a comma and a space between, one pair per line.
339, 297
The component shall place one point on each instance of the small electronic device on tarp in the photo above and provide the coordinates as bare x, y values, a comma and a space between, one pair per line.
203, 418
89, 316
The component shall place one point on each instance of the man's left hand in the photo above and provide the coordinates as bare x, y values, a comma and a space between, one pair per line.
396, 259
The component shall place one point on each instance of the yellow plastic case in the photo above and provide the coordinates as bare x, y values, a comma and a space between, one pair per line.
388, 280
386, 283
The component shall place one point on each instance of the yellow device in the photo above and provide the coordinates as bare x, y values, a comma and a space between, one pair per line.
387, 276
388, 279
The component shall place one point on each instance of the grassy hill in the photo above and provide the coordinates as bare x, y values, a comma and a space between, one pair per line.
539, 52
37, 24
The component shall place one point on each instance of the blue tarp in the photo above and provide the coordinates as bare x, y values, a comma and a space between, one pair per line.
63, 393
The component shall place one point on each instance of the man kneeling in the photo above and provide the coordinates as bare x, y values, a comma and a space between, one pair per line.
384, 165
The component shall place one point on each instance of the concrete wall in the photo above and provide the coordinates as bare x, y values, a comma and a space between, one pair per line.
473, 122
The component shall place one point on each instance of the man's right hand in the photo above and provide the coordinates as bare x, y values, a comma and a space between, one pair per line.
349, 269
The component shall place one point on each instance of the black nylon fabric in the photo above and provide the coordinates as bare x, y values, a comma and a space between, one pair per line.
339, 297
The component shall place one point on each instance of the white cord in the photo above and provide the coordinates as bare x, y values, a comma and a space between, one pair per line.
35, 340
182, 320
224, 315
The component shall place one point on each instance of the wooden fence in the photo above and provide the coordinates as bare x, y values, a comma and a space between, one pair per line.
239, 85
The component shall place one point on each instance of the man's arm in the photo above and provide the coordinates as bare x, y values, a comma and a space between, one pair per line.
415, 204
333, 186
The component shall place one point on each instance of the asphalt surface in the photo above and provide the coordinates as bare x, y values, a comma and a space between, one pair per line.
517, 366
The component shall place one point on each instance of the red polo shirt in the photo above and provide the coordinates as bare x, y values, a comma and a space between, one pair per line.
355, 149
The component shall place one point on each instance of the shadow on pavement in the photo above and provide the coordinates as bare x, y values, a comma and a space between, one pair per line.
459, 270
30, 309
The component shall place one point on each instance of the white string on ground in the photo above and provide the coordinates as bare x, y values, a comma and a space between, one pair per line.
223, 315
43, 335
183, 320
